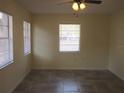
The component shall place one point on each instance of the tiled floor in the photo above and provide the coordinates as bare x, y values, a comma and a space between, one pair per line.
74, 81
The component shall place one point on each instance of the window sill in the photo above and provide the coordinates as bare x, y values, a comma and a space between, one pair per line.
69, 52
6, 65
26, 54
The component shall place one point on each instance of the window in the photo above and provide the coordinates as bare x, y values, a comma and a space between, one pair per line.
6, 40
69, 35
27, 39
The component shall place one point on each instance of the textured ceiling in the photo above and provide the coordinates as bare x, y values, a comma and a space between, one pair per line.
53, 6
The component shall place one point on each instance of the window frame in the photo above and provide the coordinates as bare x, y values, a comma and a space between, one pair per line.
27, 37
9, 39
70, 51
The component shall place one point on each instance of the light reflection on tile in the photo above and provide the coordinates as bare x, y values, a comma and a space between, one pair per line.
71, 86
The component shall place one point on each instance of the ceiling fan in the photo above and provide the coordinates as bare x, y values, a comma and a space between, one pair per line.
80, 4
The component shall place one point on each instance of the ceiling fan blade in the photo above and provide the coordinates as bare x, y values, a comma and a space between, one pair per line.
93, 1
68, 2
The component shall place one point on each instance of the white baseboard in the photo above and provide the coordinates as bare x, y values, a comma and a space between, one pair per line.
116, 74
69, 69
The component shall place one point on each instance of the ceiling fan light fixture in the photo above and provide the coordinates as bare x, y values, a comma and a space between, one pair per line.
75, 6
82, 6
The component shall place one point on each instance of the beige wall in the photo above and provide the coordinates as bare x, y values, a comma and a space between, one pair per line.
116, 53
94, 42
11, 75
95, 47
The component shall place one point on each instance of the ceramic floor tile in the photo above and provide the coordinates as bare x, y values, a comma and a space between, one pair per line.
72, 81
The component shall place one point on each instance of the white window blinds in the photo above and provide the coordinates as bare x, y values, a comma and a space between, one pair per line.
69, 35
6, 40
27, 38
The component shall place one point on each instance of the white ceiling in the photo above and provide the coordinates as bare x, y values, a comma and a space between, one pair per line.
53, 6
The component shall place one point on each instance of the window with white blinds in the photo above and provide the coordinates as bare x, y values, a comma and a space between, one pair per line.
27, 38
6, 40
69, 35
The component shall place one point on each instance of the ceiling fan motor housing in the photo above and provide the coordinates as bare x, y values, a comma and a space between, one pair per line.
78, 1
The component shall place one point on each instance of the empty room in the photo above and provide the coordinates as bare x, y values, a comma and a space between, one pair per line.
61, 46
